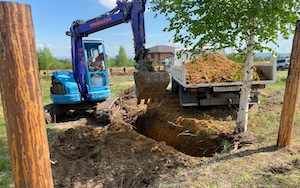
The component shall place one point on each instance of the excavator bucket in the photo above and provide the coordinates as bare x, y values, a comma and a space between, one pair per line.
150, 84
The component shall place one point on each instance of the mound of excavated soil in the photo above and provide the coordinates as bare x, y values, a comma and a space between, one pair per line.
118, 155
213, 68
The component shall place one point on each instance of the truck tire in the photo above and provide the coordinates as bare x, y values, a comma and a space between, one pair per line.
175, 86
180, 95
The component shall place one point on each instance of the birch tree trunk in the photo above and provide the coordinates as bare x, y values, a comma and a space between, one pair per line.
242, 119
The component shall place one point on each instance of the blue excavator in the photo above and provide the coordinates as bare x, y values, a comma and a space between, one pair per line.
82, 89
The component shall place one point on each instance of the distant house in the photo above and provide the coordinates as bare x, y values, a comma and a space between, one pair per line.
159, 54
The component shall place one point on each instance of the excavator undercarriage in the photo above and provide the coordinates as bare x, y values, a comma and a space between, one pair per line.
103, 111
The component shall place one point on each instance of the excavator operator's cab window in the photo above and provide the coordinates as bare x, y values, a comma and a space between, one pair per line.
96, 64
96, 59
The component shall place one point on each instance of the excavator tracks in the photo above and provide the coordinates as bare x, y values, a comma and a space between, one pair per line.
107, 110
104, 111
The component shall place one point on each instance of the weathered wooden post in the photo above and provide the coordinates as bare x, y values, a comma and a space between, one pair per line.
290, 100
21, 98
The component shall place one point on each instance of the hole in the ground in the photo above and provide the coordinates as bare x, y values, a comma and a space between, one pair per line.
189, 135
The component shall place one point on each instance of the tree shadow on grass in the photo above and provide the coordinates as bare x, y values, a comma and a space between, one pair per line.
246, 153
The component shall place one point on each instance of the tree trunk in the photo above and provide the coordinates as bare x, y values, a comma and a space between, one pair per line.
290, 100
22, 99
242, 119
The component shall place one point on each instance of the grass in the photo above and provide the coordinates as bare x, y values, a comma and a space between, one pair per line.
45, 86
6, 177
267, 121
120, 83
5, 166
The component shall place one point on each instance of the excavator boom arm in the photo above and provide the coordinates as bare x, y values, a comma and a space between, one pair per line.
126, 11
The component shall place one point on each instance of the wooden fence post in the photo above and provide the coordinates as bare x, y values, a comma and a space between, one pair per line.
22, 99
290, 100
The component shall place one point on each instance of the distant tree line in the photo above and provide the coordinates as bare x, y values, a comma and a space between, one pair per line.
47, 61
240, 58
120, 60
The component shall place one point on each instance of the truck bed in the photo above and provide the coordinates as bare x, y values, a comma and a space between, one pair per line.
268, 68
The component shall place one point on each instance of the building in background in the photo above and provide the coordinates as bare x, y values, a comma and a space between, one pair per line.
161, 54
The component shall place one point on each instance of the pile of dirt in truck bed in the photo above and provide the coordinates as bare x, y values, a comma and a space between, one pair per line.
214, 68
140, 145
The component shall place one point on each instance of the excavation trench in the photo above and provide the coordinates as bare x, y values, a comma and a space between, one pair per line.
190, 136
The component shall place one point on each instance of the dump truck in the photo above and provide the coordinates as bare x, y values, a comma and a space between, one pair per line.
215, 93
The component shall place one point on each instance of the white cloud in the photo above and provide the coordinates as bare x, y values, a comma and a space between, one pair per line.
175, 44
40, 45
108, 3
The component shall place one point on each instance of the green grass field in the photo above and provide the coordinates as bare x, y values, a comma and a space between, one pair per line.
5, 169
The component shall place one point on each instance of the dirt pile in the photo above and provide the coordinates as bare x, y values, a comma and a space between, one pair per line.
118, 155
113, 156
214, 68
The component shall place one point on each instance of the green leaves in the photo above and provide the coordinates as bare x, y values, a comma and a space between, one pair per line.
228, 23
47, 61
121, 58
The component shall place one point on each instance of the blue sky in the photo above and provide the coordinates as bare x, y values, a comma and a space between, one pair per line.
53, 18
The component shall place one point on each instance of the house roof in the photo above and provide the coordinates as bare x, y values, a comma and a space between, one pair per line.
161, 49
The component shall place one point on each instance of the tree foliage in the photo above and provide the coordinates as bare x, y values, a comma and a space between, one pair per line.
240, 58
244, 25
47, 61
228, 23
45, 58
121, 58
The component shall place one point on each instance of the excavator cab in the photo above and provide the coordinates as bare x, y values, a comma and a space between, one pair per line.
96, 78
65, 89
